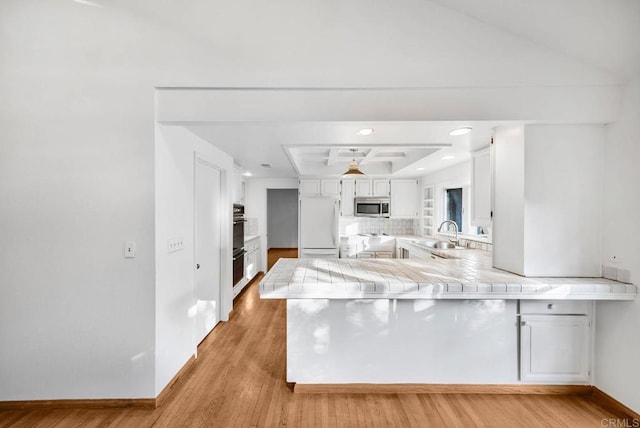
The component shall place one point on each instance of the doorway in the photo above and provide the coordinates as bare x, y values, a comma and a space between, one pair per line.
282, 224
208, 237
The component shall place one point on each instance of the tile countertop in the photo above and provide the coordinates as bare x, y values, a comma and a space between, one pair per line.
468, 277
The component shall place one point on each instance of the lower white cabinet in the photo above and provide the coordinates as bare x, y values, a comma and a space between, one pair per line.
375, 255
252, 264
555, 347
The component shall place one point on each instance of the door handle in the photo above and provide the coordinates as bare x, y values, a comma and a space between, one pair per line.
197, 265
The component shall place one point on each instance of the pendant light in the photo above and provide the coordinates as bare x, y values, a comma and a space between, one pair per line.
353, 166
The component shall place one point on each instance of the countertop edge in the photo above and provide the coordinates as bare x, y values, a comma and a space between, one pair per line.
449, 296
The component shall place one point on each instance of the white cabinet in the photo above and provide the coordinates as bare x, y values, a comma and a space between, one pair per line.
381, 187
481, 188
309, 187
319, 187
555, 342
347, 196
404, 198
363, 188
330, 187
378, 187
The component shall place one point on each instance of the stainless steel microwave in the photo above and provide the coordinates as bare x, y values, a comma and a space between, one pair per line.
372, 207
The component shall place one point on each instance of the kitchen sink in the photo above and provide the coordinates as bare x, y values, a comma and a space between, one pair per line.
442, 245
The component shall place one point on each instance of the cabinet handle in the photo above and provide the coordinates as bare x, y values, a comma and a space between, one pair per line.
523, 323
197, 265
551, 306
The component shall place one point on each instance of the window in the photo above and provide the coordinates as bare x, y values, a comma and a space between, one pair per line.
453, 206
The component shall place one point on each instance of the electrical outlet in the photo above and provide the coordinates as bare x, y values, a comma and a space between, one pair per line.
129, 249
175, 244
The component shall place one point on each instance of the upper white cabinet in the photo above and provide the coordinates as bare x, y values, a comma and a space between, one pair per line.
319, 187
372, 188
404, 198
330, 187
381, 188
347, 197
481, 188
363, 187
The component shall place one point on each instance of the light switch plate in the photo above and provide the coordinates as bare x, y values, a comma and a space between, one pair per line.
175, 244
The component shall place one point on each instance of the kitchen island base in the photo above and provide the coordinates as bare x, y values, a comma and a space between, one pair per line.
332, 341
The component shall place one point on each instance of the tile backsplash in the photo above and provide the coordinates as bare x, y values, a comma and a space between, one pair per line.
390, 226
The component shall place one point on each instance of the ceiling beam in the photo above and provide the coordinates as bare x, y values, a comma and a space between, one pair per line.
333, 155
369, 157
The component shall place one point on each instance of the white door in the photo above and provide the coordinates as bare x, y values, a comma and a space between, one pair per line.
208, 242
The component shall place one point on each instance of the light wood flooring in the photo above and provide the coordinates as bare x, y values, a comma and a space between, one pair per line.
238, 380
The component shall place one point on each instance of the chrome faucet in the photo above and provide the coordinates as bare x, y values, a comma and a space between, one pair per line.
455, 226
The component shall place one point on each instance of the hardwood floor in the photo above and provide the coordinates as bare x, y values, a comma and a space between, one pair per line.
238, 380
274, 254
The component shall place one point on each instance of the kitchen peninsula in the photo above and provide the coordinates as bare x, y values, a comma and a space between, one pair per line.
440, 321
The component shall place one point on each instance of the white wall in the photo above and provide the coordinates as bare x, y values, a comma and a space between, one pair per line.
176, 304
617, 324
458, 175
257, 205
77, 319
282, 218
563, 200
76, 182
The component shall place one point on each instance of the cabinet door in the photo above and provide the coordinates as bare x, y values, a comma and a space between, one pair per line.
309, 187
347, 198
363, 188
481, 188
380, 188
555, 348
404, 198
330, 187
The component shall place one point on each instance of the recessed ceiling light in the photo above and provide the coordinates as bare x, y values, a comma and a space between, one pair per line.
365, 131
447, 157
420, 169
460, 131
247, 174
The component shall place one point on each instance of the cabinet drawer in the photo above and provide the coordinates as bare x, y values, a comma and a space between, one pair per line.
384, 254
366, 255
564, 307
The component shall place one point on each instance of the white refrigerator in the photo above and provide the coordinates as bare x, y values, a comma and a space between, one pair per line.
319, 227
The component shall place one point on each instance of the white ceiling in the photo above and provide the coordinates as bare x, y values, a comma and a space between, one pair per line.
255, 143
364, 44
